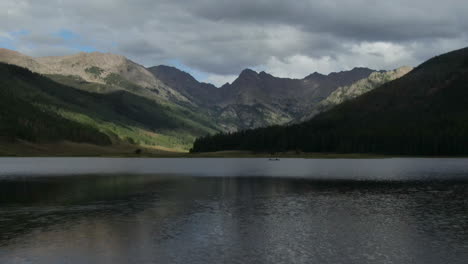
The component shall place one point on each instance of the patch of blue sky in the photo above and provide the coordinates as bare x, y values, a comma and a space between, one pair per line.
67, 34
74, 40
8, 40
19, 33
7, 43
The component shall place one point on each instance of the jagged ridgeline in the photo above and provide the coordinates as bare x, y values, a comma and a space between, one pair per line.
422, 113
258, 99
37, 109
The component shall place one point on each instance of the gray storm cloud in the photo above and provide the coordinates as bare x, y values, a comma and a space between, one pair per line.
220, 37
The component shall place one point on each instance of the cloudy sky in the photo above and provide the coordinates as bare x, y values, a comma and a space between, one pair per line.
215, 39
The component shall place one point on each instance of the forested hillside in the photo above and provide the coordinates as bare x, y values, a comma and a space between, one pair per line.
423, 113
37, 109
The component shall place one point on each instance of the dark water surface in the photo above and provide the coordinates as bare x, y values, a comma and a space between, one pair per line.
228, 211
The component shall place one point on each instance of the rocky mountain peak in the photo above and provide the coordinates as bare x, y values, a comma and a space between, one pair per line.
315, 75
171, 74
247, 73
264, 75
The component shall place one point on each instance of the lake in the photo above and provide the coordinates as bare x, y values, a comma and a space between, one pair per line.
109, 210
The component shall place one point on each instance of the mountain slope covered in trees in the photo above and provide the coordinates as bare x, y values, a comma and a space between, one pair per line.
423, 113
37, 109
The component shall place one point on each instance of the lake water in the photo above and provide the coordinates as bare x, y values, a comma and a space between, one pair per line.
93, 210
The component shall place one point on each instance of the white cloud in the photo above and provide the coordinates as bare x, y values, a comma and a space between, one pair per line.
298, 66
219, 80
381, 55
377, 55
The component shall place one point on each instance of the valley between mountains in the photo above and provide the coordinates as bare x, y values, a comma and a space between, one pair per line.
106, 101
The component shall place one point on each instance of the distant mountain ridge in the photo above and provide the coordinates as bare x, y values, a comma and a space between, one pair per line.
183, 106
258, 99
252, 100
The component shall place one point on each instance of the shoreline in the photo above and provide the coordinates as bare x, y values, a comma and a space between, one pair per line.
70, 149
220, 155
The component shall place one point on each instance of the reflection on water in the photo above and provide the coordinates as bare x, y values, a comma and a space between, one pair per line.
170, 219
344, 169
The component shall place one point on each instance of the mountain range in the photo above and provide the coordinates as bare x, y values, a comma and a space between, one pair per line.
118, 101
258, 99
422, 113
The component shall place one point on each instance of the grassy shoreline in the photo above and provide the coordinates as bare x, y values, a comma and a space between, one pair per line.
69, 149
